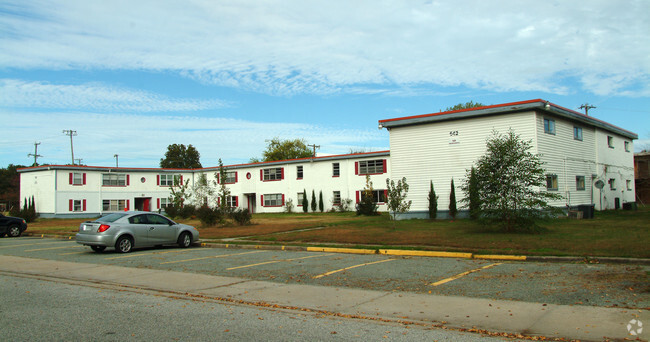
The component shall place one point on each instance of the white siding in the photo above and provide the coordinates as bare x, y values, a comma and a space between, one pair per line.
614, 163
432, 152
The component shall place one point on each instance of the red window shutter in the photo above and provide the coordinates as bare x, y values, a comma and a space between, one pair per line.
83, 205
158, 203
84, 178
71, 205
282, 199
262, 199
385, 195
157, 179
358, 196
385, 167
218, 200
71, 178
236, 200
128, 180
181, 180
282, 176
219, 178
356, 168
128, 204
236, 177
261, 175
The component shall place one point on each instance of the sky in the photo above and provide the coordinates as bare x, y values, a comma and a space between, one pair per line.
132, 77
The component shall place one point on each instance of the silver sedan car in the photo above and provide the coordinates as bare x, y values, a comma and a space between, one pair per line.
126, 230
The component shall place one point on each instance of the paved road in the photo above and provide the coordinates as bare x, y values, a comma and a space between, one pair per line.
625, 286
37, 310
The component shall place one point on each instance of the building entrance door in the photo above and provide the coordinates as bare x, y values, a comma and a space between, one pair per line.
142, 204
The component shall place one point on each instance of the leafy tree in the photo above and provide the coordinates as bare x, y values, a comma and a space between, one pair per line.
313, 201
224, 192
288, 206
367, 205
509, 178
180, 192
397, 193
453, 210
472, 200
202, 191
305, 201
10, 185
180, 157
278, 149
466, 105
433, 203
321, 205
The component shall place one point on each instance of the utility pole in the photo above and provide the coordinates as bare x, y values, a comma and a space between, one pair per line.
79, 161
315, 147
587, 107
71, 133
117, 164
35, 154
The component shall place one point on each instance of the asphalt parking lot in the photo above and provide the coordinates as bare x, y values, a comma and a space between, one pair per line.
624, 286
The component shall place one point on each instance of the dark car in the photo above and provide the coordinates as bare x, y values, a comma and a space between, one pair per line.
12, 226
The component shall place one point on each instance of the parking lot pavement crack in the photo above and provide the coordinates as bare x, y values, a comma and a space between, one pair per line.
356, 305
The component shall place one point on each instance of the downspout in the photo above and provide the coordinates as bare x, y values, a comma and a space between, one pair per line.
566, 186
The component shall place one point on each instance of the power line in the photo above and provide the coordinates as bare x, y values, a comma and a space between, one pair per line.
35, 154
71, 133
315, 147
587, 107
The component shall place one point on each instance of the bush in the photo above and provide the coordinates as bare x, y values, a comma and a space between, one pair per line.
288, 206
187, 211
209, 216
172, 211
241, 216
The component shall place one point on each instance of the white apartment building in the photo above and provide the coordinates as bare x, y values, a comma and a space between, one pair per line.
588, 161
580, 152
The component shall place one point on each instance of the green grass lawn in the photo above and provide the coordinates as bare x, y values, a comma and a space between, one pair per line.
612, 233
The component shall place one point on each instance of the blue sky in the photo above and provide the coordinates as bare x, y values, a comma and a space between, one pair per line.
132, 77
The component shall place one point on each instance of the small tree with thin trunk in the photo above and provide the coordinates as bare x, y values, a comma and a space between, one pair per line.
433, 203
453, 210
397, 193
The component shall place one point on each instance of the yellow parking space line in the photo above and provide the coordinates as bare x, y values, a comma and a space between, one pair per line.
210, 257
460, 275
32, 244
275, 261
349, 268
135, 255
51, 248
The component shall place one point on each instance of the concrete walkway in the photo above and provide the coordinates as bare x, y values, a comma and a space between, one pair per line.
529, 319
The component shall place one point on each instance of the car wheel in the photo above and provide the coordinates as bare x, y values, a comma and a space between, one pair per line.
14, 231
98, 249
124, 244
185, 240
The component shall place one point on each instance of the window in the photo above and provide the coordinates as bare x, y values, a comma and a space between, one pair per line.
231, 177
549, 126
165, 202
336, 170
273, 200
232, 201
114, 179
378, 196
301, 197
628, 183
369, 167
577, 133
551, 182
114, 205
169, 180
77, 205
627, 146
336, 198
273, 174
78, 178
299, 172
580, 182
612, 184
610, 141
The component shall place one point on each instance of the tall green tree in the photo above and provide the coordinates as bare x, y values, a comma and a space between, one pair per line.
305, 201
466, 105
367, 205
321, 205
223, 191
10, 185
453, 210
397, 193
433, 202
472, 200
278, 149
511, 182
180, 157
314, 204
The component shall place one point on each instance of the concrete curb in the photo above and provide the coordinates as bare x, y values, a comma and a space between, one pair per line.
404, 252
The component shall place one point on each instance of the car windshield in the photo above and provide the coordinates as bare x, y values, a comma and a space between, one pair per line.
110, 217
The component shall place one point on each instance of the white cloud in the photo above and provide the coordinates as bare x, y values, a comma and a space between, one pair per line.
141, 140
288, 47
19, 93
